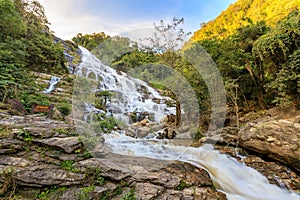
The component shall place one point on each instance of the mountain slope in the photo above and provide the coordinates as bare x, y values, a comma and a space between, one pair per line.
244, 12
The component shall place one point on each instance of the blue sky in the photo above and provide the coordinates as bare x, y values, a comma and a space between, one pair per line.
115, 17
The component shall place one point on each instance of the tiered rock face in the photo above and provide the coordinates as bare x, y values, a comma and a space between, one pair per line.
40, 157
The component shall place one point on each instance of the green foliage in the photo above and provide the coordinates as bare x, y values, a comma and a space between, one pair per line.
27, 137
26, 44
46, 192
101, 99
85, 192
130, 195
275, 46
95, 174
181, 185
29, 98
242, 13
286, 84
118, 191
64, 108
133, 59
106, 123
68, 165
112, 49
90, 41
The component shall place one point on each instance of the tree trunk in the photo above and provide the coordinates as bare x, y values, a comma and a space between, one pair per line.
178, 114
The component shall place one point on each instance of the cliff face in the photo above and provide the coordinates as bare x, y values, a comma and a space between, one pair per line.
244, 12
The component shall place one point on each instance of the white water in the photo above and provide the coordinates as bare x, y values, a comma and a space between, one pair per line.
129, 93
238, 181
53, 81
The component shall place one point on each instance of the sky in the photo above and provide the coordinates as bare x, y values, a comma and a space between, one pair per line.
118, 17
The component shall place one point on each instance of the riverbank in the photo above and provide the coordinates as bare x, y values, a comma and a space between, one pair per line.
45, 159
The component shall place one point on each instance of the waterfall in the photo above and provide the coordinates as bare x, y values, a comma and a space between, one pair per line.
235, 179
129, 94
53, 81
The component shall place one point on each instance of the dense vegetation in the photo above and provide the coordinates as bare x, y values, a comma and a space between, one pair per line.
259, 64
258, 57
243, 13
26, 45
263, 62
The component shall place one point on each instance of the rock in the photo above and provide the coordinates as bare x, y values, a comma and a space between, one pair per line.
162, 178
194, 193
9, 146
183, 129
143, 132
70, 193
47, 175
148, 191
275, 139
108, 169
14, 161
171, 194
168, 120
155, 128
167, 133
16, 107
56, 114
144, 122
68, 144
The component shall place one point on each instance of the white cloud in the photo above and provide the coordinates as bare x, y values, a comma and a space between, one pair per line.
69, 17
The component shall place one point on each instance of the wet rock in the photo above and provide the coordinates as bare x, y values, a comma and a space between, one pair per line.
190, 174
168, 120
143, 132
68, 144
167, 133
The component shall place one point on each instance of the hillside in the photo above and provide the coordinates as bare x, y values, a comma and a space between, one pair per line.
244, 12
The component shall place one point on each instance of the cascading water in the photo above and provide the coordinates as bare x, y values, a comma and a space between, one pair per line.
238, 181
53, 81
129, 94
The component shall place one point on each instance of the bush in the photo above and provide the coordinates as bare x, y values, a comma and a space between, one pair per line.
64, 108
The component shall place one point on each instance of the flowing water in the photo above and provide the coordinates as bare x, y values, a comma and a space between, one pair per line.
238, 181
129, 94
53, 81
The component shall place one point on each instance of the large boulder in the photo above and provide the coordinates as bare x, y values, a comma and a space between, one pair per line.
276, 139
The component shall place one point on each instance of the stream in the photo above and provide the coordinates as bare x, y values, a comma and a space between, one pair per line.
230, 176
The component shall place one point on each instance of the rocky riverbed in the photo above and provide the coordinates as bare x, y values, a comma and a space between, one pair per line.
45, 159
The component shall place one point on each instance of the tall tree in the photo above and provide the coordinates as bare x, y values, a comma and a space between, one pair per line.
166, 41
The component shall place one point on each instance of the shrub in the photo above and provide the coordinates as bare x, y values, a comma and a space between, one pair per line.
64, 108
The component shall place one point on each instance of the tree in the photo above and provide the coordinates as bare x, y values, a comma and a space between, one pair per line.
232, 89
112, 49
278, 53
90, 41
166, 41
